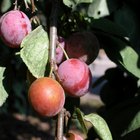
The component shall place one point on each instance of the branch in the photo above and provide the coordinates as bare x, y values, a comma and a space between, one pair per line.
60, 124
52, 60
53, 35
33, 6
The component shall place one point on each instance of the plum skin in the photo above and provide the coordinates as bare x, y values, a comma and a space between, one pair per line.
82, 45
59, 52
46, 96
75, 77
14, 26
72, 136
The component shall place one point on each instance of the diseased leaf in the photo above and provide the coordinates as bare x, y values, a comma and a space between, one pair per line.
34, 51
98, 9
3, 93
99, 125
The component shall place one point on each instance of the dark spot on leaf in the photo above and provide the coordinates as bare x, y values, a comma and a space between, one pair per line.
99, 12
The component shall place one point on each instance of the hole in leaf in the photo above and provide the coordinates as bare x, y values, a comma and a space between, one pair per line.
99, 12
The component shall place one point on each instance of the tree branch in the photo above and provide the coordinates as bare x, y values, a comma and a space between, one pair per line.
52, 61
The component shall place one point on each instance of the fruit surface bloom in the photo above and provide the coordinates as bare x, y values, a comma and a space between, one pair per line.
14, 26
46, 96
75, 77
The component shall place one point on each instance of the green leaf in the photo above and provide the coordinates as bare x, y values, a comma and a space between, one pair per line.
121, 52
130, 60
98, 9
34, 51
99, 125
134, 124
5, 5
129, 23
80, 118
3, 93
108, 26
123, 114
73, 3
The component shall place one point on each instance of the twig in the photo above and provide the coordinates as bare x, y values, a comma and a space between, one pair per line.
60, 124
59, 45
26, 4
15, 3
53, 35
33, 6
52, 60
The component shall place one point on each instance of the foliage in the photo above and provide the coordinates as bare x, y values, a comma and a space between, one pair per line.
116, 25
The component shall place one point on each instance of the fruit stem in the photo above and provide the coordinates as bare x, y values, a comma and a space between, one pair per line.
33, 6
15, 3
60, 124
63, 51
26, 4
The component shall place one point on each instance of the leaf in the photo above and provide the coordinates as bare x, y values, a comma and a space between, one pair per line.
98, 9
34, 51
80, 118
113, 5
134, 124
121, 52
123, 113
108, 26
99, 125
130, 60
3, 93
5, 5
129, 23
73, 3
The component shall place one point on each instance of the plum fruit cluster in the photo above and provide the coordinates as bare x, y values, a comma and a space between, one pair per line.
14, 26
81, 48
81, 45
46, 95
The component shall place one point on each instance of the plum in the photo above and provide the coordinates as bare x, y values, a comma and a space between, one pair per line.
46, 96
59, 51
14, 26
75, 77
82, 45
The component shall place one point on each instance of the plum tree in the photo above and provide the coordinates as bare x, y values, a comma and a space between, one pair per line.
46, 96
14, 26
82, 45
74, 76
